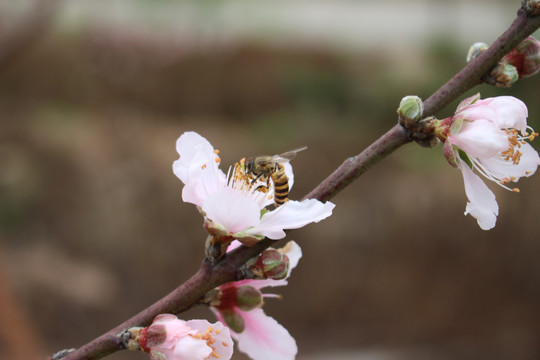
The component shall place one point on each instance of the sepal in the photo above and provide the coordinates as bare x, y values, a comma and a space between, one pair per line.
449, 154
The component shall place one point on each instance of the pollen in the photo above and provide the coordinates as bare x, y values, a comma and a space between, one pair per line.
203, 166
218, 160
224, 343
515, 141
216, 151
528, 172
516, 190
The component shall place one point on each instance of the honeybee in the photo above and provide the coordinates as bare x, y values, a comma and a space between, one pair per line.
265, 168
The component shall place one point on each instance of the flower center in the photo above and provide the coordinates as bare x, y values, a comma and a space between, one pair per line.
207, 336
513, 154
245, 181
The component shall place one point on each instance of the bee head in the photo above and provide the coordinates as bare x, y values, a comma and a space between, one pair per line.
250, 165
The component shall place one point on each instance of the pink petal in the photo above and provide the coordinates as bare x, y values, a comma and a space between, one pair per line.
467, 102
292, 215
264, 338
232, 210
220, 333
480, 138
511, 112
506, 111
175, 329
189, 348
482, 204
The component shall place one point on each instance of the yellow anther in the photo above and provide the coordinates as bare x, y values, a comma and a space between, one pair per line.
216, 151
218, 160
516, 190
527, 172
516, 157
224, 343
203, 166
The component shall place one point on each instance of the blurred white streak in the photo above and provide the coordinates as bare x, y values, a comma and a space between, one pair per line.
346, 25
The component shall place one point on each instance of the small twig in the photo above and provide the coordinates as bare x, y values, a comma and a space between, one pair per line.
472, 74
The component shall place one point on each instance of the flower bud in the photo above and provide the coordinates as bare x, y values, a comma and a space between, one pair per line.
411, 108
525, 57
271, 264
231, 295
233, 320
476, 50
502, 75
248, 298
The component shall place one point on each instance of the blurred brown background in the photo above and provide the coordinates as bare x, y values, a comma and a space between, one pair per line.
94, 94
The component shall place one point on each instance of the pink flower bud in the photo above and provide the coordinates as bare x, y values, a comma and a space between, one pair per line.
271, 264
525, 57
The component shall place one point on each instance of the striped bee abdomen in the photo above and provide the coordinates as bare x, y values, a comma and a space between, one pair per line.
281, 185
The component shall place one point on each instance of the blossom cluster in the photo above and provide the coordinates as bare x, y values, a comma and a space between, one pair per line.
237, 212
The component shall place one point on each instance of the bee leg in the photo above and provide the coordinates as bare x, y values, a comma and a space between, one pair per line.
256, 178
263, 188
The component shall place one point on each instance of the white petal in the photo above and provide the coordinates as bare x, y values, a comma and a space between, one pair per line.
480, 138
291, 215
201, 181
482, 204
264, 338
188, 145
502, 168
232, 210
294, 253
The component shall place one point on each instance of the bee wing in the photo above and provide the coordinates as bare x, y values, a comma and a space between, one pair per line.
289, 155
